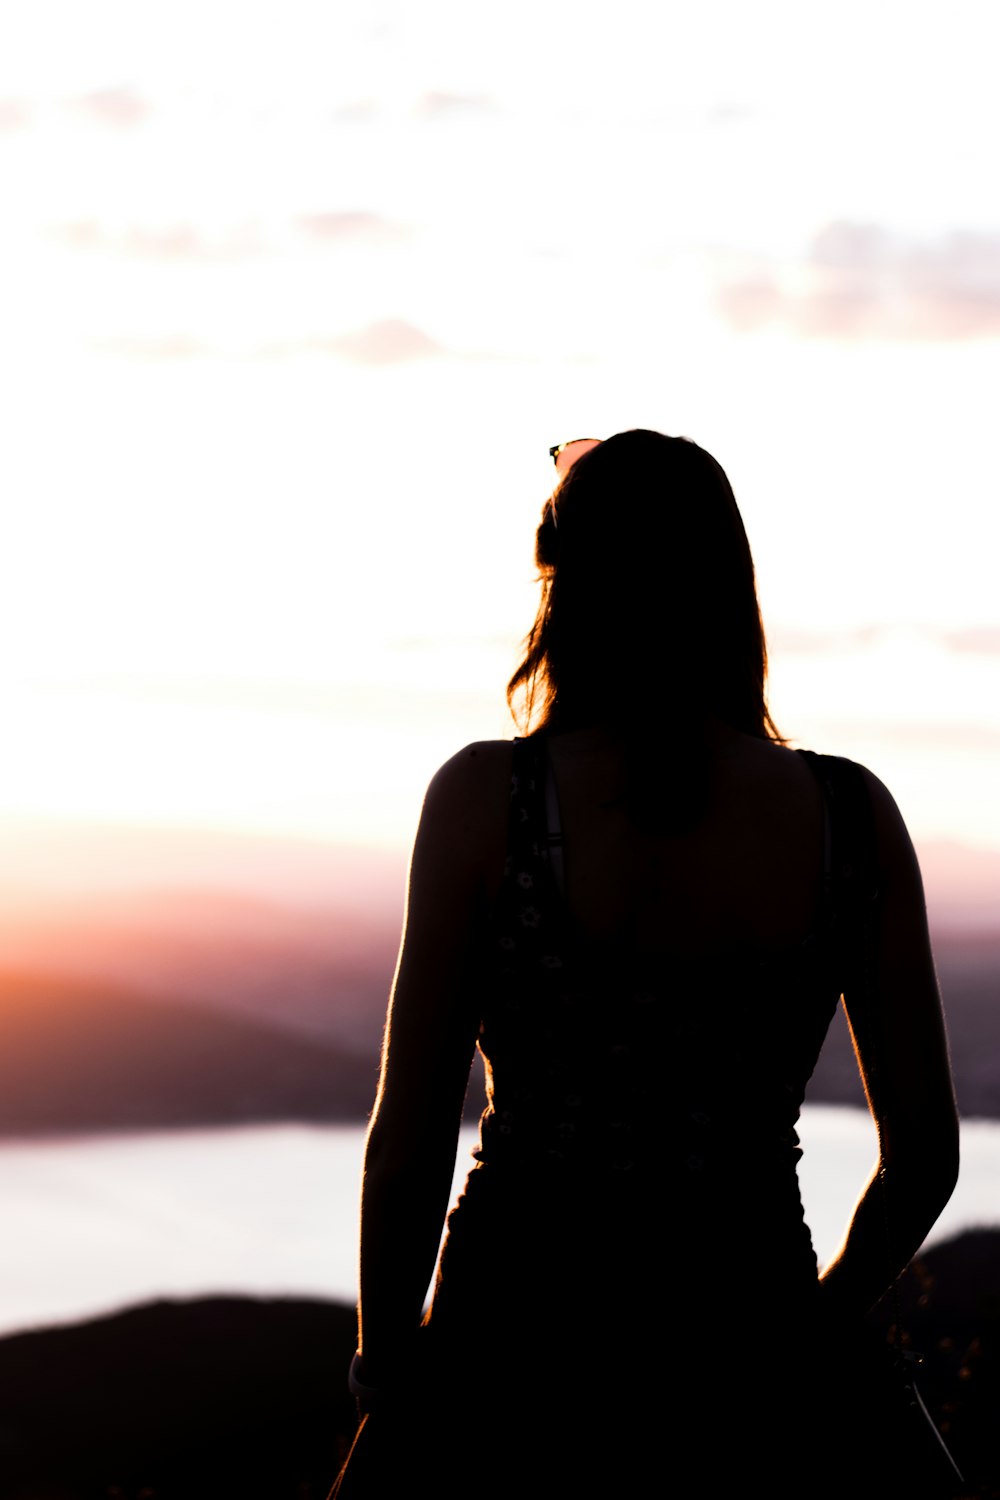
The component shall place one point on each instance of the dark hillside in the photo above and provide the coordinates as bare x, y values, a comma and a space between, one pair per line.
232, 1397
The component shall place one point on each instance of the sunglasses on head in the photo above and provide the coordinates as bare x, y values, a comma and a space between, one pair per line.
565, 455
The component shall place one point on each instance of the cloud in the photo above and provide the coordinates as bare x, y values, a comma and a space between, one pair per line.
120, 108
977, 639
945, 737
431, 107
439, 104
731, 112
155, 346
982, 639
79, 234
861, 281
181, 240
795, 639
388, 341
173, 240
357, 112
351, 225
13, 114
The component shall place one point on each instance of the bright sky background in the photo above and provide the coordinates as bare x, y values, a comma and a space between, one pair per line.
295, 297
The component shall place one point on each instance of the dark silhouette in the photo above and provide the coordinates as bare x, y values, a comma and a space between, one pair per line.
213, 1399
644, 912
241, 1397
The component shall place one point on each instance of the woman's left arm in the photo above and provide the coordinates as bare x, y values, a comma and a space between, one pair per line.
901, 1043
431, 1031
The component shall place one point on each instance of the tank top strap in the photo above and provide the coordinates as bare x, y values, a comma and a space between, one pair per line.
526, 828
527, 894
851, 876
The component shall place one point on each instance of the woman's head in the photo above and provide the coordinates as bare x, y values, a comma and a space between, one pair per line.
649, 616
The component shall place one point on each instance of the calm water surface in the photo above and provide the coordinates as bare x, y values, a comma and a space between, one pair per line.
96, 1223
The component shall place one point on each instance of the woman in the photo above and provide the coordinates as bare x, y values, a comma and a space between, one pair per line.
644, 913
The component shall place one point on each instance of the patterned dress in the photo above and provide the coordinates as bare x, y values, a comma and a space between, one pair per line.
628, 1290
626, 1302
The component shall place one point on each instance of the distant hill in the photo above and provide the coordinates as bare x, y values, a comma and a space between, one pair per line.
316, 969
968, 965
200, 1008
226, 1397
84, 1057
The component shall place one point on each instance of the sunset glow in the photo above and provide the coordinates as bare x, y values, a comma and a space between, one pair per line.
296, 302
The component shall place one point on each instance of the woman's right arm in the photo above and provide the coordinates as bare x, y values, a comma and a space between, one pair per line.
430, 1038
902, 1048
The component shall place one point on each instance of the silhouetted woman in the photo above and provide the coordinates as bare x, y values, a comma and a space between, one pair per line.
643, 913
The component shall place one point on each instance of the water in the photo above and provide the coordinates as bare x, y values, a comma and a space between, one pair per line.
93, 1224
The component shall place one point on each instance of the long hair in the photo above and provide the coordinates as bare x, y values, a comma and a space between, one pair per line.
648, 622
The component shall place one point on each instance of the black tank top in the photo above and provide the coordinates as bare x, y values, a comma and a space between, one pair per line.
603, 1061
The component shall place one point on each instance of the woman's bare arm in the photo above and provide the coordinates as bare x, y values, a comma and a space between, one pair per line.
902, 1049
431, 1031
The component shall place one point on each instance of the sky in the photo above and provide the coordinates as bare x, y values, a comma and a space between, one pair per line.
295, 298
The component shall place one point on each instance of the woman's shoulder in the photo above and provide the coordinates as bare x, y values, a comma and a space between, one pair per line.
892, 837
777, 777
472, 771
471, 789
883, 803
463, 824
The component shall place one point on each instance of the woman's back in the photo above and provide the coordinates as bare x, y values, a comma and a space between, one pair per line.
748, 873
629, 981
648, 1035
